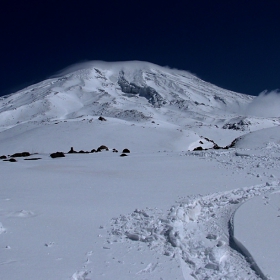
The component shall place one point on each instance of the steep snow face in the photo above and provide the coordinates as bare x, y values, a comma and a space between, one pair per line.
133, 91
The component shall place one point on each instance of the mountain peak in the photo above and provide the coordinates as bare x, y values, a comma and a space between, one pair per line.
131, 90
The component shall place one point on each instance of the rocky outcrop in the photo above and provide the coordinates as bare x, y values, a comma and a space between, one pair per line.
149, 93
57, 155
101, 148
72, 151
11, 160
198, 149
240, 125
23, 154
102, 119
215, 145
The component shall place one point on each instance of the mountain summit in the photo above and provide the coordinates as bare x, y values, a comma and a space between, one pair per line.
126, 90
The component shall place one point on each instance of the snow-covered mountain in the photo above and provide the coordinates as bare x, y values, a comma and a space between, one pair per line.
135, 92
131, 91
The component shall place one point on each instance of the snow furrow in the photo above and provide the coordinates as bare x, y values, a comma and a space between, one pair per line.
195, 230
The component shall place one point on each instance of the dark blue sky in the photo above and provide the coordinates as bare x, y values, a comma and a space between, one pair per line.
233, 44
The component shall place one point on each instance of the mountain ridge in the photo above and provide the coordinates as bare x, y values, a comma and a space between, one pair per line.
129, 90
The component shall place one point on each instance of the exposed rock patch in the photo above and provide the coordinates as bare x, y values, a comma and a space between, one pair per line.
240, 125
72, 151
11, 160
148, 92
102, 119
198, 149
101, 148
57, 155
123, 155
23, 154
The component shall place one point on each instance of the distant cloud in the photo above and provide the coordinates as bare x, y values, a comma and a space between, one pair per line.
116, 65
267, 104
72, 68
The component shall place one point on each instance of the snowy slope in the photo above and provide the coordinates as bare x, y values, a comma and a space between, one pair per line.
162, 212
135, 92
132, 91
263, 138
261, 216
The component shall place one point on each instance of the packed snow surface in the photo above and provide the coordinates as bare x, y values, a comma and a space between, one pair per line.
197, 197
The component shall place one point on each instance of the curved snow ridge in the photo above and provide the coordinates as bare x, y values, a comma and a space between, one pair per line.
195, 230
239, 247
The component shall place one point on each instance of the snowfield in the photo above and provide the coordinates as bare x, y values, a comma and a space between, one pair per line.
197, 197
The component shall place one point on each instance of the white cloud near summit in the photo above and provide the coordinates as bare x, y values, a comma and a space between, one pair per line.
267, 104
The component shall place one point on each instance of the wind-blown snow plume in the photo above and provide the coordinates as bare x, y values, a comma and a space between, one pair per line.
267, 104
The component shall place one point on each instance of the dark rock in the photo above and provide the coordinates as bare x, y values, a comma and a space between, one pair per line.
211, 236
82, 152
115, 151
57, 154
101, 148
72, 151
123, 155
131, 89
233, 143
126, 151
198, 149
24, 154
12, 160
37, 158
3, 157
209, 140
241, 125
200, 142
102, 119
217, 147
93, 151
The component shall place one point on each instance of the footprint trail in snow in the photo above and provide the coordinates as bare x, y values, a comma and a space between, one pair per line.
198, 230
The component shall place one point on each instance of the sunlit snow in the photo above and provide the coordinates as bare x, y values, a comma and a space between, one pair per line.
197, 197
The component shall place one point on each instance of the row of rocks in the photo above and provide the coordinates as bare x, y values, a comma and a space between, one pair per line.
216, 146
23, 154
12, 158
99, 149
